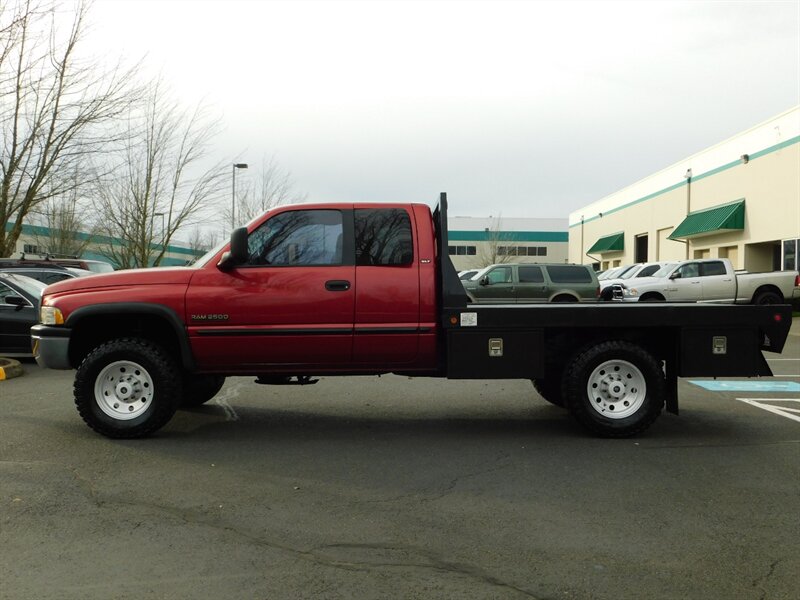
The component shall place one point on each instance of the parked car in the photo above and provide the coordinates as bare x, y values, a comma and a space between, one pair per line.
47, 274
95, 266
711, 280
468, 274
637, 270
20, 297
614, 272
504, 283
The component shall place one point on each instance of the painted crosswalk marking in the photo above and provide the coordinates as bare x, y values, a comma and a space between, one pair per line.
785, 407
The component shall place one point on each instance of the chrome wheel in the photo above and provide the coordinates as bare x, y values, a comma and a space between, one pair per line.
123, 390
617, 389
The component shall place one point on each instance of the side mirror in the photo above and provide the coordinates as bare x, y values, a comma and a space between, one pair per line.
238, 250
675, 275
484, 280
17, 301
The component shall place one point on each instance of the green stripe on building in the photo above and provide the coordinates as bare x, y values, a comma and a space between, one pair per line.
508, 236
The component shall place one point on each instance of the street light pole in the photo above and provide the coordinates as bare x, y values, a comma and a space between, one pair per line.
163, 232
233, 193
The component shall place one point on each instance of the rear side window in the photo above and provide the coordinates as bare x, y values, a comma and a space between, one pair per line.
383, 237
569, 274
713, 268
531, 275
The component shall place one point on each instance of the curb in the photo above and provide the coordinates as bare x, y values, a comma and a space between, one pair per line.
9, 369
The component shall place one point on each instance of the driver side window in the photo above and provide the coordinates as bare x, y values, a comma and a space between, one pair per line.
689, 270
297, 238
499, 275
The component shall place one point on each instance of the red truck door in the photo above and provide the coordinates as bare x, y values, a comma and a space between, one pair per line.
387, 315
290, 306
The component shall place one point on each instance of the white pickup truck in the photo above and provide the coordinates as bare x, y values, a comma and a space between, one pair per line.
710, 280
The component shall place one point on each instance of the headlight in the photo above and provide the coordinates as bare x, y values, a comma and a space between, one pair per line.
631, 292
50, 315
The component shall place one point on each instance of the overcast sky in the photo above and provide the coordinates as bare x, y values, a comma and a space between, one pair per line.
525, 109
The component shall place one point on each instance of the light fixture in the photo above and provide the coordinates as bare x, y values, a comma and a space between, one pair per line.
233, 193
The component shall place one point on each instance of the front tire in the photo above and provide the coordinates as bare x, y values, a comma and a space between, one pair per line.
199, 389
615, 389
127, 388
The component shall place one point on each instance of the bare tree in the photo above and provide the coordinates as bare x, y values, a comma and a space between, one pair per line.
54, 108
62, 225
497, 249
202, 240
271, 186
160, 178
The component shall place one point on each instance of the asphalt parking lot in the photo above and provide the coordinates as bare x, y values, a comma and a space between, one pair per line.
368, 487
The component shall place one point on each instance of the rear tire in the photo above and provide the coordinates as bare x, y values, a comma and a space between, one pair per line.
564, 298
768, 297
550, 390
127, 388
614, 389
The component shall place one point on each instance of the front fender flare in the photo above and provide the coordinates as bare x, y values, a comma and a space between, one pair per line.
139, 308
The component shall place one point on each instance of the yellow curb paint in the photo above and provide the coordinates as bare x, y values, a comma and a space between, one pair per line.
10, 369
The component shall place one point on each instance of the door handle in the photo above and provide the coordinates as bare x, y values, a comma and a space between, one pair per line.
337, 285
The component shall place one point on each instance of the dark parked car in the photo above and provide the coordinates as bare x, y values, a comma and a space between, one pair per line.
46, 273
95, 266
19, 311
508, 283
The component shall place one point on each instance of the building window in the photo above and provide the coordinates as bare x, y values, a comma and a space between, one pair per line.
790, 251
31, 249
522, 251
461, 250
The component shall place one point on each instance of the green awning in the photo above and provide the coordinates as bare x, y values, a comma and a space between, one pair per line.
728, 217
610, 243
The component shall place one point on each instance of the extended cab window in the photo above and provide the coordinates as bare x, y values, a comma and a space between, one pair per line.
298, 238
530, 275
569, 274
383, 237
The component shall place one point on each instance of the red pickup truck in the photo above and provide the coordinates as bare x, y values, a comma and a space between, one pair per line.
351, 289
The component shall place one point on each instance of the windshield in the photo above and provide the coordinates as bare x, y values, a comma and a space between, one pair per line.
610, 274
480, 273
662, 272
29, 285
99, 267
630, 273
201, 262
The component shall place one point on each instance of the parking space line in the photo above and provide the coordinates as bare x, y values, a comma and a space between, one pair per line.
746, 385
783, 411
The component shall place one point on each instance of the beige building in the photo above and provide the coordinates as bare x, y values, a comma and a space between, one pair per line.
739, 199
476, 242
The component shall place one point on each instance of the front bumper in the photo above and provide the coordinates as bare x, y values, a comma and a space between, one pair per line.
51, 346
